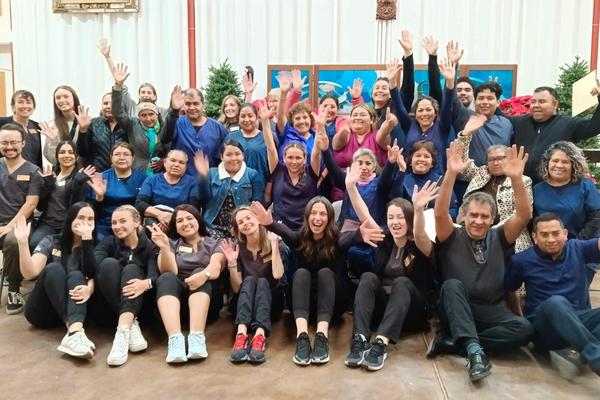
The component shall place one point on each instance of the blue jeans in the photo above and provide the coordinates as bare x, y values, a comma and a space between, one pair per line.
558, 325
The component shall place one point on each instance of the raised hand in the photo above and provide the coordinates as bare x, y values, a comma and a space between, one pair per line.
406, 42
475, 122
454, 52
430, 45
264, 114
104, 47
98, 184
84, 120
448, 70
297, 80
231, 251
320, 120
158, 237
273, 237
120, 74
90, 170
393, 152
247, 83
321, 138
371, 236
401, 161
21, 229
51, 132
83, 230
422, 197
596, 91
393, 71
357, 88
177, 101
285, 82
46, 171
201, 163
80, 293
263, 216
454, 155
352, 174
390, 118
516, 158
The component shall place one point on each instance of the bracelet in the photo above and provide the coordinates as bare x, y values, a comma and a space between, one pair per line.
149, 283
232, 267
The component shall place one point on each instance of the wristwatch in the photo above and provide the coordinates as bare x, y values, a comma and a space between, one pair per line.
207, 273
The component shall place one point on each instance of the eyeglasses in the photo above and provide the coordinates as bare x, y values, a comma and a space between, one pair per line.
492, 160
12, 143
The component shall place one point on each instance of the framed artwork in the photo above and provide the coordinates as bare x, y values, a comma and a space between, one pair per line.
306, 71
94, 6
505, 75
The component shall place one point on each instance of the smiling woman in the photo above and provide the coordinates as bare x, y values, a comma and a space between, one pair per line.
23, 104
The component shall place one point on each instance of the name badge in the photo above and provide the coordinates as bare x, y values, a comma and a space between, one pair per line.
23, 178
184, 249
408, 260
31, 130
60, 183
56, 253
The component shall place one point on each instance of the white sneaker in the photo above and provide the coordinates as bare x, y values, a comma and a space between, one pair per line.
176, 349
87, 340
196, 346
136, 339
75, 345
120, 348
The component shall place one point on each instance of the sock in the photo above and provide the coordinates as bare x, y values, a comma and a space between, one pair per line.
72, 333
197, 333
176, 335
472, 346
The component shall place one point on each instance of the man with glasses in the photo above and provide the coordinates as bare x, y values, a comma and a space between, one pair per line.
20, 185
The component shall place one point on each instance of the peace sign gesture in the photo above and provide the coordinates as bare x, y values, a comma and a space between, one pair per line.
158, 237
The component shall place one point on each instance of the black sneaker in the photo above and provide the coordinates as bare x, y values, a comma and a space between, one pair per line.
567, 362
303, 349
15, 303
320, 354
441, 345
479, 366
375, 356
358, 348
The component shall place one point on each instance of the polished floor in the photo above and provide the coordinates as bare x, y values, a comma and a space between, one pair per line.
32, 368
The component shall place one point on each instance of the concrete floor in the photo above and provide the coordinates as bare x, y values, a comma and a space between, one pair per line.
32, 368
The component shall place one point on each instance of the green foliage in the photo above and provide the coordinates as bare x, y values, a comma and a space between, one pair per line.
222, 81
570, 74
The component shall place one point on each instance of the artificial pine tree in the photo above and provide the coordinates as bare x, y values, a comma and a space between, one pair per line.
570, 74
222, 81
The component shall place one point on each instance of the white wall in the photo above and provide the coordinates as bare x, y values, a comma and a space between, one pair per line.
51, 49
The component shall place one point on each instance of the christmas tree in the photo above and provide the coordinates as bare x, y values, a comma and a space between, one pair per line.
222, 81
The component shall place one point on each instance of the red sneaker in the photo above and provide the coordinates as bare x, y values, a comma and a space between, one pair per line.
257, 350
239, 353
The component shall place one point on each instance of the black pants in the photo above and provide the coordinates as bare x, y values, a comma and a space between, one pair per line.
111, 278
10, 253
49, 304
403, 307
169, 284
41, 231
258, 303
318, 292
494, 325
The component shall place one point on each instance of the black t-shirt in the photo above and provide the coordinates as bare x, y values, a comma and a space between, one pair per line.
24, 181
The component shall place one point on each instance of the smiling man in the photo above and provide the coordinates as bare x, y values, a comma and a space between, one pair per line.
557, 300
20, 186
545, 126
473, 308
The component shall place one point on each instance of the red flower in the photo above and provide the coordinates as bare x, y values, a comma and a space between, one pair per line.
516, 105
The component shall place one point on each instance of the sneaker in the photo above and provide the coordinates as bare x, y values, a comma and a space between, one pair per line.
303, 349
375, 356
358, 348
15, 304
196, 346
75, 345
239, 353
441, 345
320, 353
567, 362
120, 348
479, 366
257, 350
88, 341
136, 339
176, 349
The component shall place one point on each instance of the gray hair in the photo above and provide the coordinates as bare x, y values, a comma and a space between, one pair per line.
363, 151
579, 165
180, 152
496, 147
478, 197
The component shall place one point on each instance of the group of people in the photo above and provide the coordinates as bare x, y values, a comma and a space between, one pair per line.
279, 205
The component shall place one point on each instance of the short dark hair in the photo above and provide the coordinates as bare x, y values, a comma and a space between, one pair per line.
479, 197
27, 95
548, 89
148, 84
124, 145
465, 79
14, 127
493, 87
172, 229
194, 91
250, 106
546, 217
330, 96
231, 142
423, 144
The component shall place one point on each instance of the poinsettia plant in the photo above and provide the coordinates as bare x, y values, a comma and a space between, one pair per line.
516, 105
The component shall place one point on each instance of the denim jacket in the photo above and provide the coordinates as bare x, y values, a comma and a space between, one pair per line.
246, 186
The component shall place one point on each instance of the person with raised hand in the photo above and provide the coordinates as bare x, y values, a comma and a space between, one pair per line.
476, 313
256, 270
431, 122
189, 265
63, 266
127, 269
396, 296
490, 178
144, 132
318, 250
